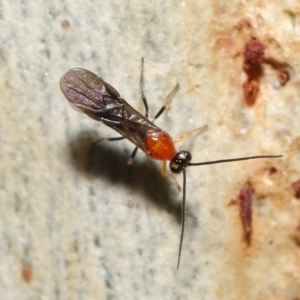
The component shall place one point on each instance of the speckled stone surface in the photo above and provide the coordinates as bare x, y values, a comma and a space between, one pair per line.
77, 223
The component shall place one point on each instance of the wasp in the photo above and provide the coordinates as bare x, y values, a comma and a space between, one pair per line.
90, 94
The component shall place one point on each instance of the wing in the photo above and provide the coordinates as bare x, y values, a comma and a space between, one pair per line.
90, 94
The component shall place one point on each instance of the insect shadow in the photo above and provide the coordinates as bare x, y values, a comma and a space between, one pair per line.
103, 159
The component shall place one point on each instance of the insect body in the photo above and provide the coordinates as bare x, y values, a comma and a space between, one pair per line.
90, 94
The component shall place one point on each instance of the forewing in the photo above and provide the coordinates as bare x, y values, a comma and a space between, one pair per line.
87, 92
90, 94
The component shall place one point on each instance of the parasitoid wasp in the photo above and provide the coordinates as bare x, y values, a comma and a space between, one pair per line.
90, 94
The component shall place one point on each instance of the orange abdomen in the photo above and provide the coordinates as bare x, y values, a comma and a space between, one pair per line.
159, 145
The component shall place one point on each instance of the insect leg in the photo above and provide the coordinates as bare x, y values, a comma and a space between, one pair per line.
142, 89
133, 154
114, 139
108, 122
187, 134
167, 102
165, 173
159, 113
110, 139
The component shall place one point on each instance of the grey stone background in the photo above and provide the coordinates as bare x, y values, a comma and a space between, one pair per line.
77, 223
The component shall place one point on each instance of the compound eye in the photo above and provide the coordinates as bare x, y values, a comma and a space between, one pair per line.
188, 156
180, 161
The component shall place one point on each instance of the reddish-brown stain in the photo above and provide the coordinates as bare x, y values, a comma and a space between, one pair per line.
253, 54
245, 204
65, 24
296, 187
275, 63
296, 235
243, 24
251, 89
280, 67
253, 66
27, 273
272, 170
232, 202
283, 77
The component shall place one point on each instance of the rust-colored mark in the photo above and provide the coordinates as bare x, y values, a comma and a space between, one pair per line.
275, 63
27, 273
296, 187
251, 89
272, 170
296, 235
65, 24
253, 54
243, 24
280, 67
245, 204
232, 202
283, 77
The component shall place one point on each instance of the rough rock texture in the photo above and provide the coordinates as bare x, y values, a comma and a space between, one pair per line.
77, 223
